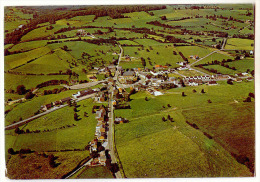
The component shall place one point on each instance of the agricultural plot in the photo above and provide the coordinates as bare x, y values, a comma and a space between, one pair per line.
128, 42
26, 46
202, 131
159, 55
222, 69
94, 172
28, 108
213, 57
50, 63
66, 161
29, 81
42, 32
55, 133
188, 51
243, 64
155, 138
239, 44
16, 60
190, 73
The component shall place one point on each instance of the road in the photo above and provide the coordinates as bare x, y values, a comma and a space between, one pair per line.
83, 85
21, 99
224, 43
20, 123
199, 71
203, 57
110, 133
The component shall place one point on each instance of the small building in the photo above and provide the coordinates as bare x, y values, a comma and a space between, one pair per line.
193, 83
93, 78
157, 93
46, 107
182, 68
102, 158
212, 83
65, 100
83, 93
250, 79
56, 103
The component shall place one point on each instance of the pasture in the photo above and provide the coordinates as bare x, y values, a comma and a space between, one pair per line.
15, 60
29, 81
54, 132
96, 172
239, 44
66, 161
28, 108
150, 135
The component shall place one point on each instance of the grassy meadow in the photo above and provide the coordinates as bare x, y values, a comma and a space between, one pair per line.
152, 138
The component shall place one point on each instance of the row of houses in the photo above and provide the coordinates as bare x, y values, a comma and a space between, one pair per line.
79, 94
83, 93
56, 103
100, 138
208, 78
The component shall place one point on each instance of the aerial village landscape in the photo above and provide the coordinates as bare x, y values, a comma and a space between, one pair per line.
129, 91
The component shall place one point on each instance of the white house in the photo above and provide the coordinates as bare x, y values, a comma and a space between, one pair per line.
156, 93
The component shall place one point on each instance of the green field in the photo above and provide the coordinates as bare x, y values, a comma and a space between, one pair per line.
164, 56
213, 57
147, 146
66, 161
222, 69
26, 46
28, 108
154, 138
29, 81
74, 137
239, 44
188, 51
15, 60
243, 65
94, 172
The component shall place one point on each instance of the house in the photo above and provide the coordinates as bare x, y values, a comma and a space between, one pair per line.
46, 107
193, 83
93, 78
118, 120
182, 63
128, 77
100, 113
182, 68
212, 83
238, 80
56, 103
156, 93
194, 56
127, 58
83, 93
102, 158
73, 82
81, 32
250, 79
65, 100
93, 145
129, 74
158, 66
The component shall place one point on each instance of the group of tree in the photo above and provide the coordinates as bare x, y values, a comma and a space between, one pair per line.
52, 82
51, 16
21, 151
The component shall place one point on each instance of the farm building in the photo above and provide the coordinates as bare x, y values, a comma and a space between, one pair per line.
212, 83
62, 101
83, 93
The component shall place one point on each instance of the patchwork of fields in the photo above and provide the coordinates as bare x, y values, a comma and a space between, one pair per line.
202, 131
